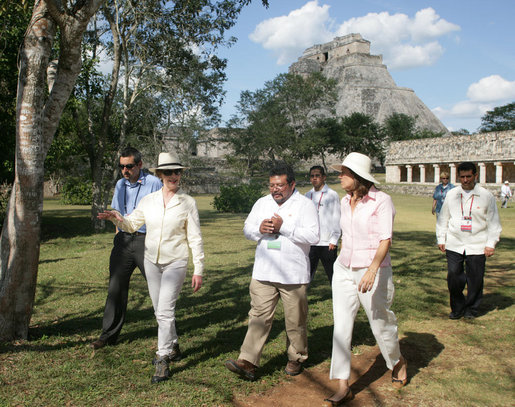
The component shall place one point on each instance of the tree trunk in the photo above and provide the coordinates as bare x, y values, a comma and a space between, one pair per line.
20, 235
37, 118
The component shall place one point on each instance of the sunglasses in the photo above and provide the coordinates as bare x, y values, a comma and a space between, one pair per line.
128, 166
177, 171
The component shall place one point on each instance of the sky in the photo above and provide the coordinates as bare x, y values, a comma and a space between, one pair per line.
457, 55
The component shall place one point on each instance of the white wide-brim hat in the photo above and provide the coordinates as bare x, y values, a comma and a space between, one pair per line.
168, 161
359, 164
506, 182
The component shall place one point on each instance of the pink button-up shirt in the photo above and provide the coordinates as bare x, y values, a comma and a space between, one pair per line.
371, 222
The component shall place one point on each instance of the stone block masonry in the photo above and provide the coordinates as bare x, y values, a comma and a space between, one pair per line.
422, 161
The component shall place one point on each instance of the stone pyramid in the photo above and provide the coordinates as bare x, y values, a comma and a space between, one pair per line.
364, 83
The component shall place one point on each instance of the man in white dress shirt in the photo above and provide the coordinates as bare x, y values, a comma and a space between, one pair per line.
327, 202
285, 225
505, 194
467, 230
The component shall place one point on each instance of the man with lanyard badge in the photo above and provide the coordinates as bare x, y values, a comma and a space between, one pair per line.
467, 230
327, 202
127, 253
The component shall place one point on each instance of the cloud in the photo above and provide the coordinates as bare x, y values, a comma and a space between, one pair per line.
491, 89
287, 36
463, 109
410, 56
483, 96
404, 42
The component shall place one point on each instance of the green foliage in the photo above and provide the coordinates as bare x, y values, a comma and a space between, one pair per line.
14, 17
237, 198
277, 121
460, 132
5, 193
361, 133
499, 119
399, 126
77, 191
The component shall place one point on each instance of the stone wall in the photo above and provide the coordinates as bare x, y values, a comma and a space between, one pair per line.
476, 147
427, 189
423, 160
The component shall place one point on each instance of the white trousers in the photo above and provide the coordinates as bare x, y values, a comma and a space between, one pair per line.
376, 303
164, 285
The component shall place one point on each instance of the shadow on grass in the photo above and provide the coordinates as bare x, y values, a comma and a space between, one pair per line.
418, 348
493, 302
67, 223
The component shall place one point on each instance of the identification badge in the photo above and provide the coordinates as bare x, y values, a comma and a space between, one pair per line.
466, 224
274, 244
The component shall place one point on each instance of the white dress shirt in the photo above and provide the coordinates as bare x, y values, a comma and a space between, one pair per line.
486, 227
505, 191
170, 230
327, 202
283, 258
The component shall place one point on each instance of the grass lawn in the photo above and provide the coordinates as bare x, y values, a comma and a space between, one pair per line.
452, 361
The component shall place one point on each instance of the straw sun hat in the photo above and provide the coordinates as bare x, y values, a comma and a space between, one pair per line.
168, 161
359, 164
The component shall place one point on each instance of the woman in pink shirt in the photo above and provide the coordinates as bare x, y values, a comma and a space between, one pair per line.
363, 274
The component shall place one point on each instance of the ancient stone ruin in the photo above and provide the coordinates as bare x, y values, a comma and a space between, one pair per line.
364, 84
422, 161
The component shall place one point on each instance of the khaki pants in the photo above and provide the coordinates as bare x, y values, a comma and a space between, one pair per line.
264, 298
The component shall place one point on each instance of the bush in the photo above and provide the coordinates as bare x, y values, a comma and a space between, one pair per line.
77, 191
237, 199
5, 194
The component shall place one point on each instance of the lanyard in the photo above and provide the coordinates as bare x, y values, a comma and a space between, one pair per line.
125, 198
471, 202
320, 200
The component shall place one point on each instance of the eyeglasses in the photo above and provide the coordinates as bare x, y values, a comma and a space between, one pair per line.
177, 171
445, 177
128, 166
277, 186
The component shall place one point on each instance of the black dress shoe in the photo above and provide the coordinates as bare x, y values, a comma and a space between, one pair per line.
455, 315
469, 314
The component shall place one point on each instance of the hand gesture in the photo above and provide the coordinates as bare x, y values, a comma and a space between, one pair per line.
110, 215
277, 221
266, 227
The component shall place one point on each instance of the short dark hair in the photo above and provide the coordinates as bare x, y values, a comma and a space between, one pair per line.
467, 166
131, 152
281, 168
317, 167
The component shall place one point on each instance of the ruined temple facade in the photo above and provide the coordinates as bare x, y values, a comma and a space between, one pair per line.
363, 82
421, 161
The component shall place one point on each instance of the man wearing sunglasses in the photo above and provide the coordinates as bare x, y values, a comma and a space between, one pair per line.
127, 253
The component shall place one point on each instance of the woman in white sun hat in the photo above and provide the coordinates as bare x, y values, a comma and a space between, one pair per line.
363, 274
173, 224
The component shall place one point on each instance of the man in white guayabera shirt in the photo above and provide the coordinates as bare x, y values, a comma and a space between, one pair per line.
467, 230
285, 225
327, 202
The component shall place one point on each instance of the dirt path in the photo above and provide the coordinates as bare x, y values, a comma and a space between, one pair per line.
370, 382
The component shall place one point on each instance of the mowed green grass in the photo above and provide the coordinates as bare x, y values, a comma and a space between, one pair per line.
451, 361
